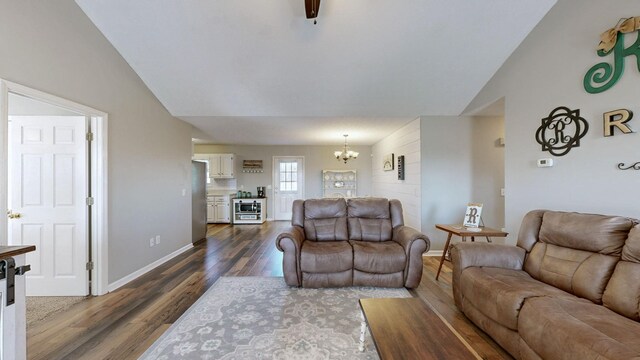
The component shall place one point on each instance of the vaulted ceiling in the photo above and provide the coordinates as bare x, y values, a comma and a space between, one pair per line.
259, 72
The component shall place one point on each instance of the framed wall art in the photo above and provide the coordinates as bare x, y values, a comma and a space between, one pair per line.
387, 162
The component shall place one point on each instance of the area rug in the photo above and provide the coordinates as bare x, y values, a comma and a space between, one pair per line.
40, 308
263, 318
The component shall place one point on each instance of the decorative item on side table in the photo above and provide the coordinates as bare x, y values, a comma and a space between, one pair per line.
472, 216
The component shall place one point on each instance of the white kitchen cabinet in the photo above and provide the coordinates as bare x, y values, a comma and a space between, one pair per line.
222, 214
219, 166
222, 166
211, 212
218, 209
13, 338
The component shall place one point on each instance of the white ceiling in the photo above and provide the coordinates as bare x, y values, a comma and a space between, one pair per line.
256, 71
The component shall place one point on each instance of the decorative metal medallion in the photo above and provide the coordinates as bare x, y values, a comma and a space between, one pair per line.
635, 166
603, 76
561, 131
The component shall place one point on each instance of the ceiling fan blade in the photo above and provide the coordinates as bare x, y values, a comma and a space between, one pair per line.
312, 7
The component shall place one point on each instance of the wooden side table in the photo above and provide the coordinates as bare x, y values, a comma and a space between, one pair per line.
463, 232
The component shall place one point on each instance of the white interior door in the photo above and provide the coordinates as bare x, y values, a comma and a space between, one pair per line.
47, 201
288, 184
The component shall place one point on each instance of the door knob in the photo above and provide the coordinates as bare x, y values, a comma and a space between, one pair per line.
12, 215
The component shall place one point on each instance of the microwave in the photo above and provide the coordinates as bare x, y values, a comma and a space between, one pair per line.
247, 206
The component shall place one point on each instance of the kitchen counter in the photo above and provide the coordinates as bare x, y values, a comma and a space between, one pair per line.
249, 198
220, 192
11, 251
13, 320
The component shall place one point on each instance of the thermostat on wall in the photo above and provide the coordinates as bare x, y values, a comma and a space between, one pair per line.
545, 162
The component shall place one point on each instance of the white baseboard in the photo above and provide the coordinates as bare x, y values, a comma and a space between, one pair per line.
136, 274
437, 253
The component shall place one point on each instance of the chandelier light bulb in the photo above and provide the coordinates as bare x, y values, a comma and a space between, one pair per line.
346, 153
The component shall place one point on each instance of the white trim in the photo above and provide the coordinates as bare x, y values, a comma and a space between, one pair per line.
437, 253
136, 274
4, 159
99, 176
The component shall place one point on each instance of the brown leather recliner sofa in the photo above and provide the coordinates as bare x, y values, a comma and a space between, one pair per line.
570, 289
359, 242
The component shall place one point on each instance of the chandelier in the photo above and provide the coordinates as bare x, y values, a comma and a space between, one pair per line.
346, 154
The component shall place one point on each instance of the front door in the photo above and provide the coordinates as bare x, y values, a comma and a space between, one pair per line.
47, 201
288, 184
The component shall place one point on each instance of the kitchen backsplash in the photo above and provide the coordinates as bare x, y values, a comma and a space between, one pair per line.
223, 184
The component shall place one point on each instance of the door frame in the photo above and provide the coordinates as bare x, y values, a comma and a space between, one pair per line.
274, 179
98, 121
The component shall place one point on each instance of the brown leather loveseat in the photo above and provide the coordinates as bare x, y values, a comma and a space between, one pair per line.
570, 289
359, 242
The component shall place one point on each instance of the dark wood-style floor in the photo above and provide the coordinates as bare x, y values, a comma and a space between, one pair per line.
124, 323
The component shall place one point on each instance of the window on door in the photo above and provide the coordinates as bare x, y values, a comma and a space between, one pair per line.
289, 176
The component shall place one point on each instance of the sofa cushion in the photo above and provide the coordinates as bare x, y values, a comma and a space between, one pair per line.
578, 252
582, 273
324, 280
500, 293
326, 256
622, 294
369, 219
378, 258
595, 233
631, 250
363, 278
563, 328
325, 219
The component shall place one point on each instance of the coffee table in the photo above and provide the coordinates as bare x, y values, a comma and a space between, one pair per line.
407, 328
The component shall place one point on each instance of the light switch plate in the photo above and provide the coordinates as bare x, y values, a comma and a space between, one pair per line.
545, 163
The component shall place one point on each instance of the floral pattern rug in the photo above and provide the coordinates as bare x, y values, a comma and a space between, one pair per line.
263, 318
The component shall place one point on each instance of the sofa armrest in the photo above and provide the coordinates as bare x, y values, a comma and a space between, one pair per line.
475, 254
414, 244
405, 236
290, 243
292, 233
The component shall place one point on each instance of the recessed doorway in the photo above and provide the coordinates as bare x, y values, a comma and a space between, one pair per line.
55, 193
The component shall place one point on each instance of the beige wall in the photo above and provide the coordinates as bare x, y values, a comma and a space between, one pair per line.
317, 158
53, 47
545, 72
461, 163
404, 141
487, 168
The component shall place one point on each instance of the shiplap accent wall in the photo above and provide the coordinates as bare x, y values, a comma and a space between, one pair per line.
404, 141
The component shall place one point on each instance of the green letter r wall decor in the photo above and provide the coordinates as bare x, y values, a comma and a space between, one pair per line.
603, 76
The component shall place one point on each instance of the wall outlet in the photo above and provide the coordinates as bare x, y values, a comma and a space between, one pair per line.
184, 192
151, 242
502, 192
157, 239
